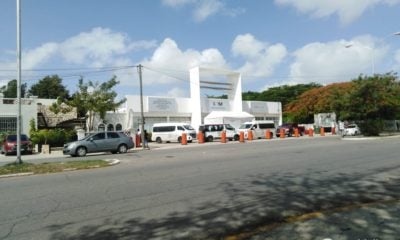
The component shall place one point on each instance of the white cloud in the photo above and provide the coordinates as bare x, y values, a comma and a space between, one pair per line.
35, 57
96, 48
100, 46
177, 92
347, 10
333, 62
207, 8
171, 64
261, 58
397, 60
203, 9
177, 3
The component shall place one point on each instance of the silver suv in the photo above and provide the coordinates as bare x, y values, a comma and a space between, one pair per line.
114, 142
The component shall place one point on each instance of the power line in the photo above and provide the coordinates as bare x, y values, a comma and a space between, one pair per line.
70, 69
168, 75
72, 75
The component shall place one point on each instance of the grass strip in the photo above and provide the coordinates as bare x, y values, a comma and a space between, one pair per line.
52, 167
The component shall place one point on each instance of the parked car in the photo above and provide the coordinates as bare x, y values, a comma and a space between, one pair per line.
289, 129
114, 142
214, 130
170, 132
351, 130
258, 127
9, 145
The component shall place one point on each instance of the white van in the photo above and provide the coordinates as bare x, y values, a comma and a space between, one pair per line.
172, 132
213, 131
258, 127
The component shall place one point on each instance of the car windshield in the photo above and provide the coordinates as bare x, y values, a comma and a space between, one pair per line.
245, 126
229, 127
89, 136
13, 138
188, 127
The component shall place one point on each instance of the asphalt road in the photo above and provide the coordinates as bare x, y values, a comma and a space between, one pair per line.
200, 191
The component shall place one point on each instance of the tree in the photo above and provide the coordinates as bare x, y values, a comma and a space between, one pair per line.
60, 106
95, 98
374, 99
330, 98
284, 94
50, 87
10, 90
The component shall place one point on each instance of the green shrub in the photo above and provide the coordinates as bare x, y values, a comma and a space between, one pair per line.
54, 137
371, 127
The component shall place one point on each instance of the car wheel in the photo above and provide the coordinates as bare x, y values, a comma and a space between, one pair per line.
179, 139
122, 148
81, 151
210, 139
158, 140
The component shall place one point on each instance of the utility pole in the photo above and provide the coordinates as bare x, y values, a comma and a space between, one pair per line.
19, 160
139, 68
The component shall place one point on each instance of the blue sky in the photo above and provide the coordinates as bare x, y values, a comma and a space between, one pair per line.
271, 43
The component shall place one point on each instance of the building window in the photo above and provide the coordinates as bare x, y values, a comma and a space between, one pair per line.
259, 118
118, 127
101, 128
8, 101
110, 127
8, 124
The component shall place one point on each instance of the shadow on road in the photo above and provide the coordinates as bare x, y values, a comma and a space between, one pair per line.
258, 200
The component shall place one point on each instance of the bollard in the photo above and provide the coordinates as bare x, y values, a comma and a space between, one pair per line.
223, 136
268, 134
296, 132
137, 140
311, 132
333, 131
282, 133
322, 132
184, 139
200, 137
241, 137
250, 135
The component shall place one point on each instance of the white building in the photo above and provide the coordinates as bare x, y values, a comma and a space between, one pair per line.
32, 108
192, 110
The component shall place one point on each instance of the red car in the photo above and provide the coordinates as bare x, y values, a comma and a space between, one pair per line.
10, 144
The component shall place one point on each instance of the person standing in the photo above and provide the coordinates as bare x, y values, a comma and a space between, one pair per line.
146, 140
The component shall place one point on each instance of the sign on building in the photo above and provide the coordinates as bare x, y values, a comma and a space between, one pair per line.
157, 104
218, 105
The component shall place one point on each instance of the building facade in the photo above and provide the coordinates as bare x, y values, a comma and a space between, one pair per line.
194, 109
32, 108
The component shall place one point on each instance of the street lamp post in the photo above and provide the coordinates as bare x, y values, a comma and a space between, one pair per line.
373, 55
19, 160
372, 50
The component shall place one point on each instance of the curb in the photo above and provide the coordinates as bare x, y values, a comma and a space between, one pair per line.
369, 138
113, 162
16, 175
